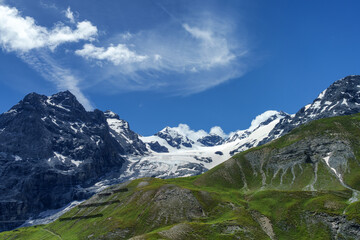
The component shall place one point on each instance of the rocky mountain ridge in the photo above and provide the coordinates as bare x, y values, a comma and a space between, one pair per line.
304, 185
51, 149
74, 153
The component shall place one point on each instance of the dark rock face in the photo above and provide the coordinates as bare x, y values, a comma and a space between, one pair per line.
211, 140
50, 149
340, 226
341, 98
155, 146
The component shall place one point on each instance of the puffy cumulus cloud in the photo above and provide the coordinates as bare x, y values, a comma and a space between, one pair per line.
193, 135
21, 34
118, 55
185, 130
218, 131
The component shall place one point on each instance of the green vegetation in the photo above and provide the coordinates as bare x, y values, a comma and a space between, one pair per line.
272, 191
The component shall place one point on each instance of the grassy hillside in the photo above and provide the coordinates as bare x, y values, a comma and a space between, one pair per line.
283, 190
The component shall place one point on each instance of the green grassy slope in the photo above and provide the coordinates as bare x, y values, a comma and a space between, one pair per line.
246, 197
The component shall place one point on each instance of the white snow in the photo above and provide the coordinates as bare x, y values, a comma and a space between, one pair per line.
316, 105
60, 157
111, 114
10, 111
184, 131
262, 118
169, 163
307, 107
48, 101
326, 159
74, 129
54, 121
344, 102
117, 125
356, 193
76, 162
333, 106
50, 215
322, 94
79, 147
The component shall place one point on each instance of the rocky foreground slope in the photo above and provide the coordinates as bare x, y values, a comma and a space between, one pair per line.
304, 185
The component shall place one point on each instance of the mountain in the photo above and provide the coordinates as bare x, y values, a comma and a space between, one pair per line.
340, 98
52, 149
53, 152
178, 151
304, 185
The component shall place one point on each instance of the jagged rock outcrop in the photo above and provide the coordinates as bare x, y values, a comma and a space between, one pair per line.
50, 149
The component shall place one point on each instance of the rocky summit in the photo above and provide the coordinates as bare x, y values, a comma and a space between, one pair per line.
340, 98
51, 149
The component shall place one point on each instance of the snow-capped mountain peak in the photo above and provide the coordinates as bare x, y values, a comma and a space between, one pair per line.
264, 119
340, 98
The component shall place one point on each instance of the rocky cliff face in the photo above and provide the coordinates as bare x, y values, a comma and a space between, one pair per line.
50, 149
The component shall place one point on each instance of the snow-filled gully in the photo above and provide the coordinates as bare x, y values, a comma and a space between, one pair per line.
356, 193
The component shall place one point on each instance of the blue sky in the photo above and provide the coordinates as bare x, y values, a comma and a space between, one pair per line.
160, 63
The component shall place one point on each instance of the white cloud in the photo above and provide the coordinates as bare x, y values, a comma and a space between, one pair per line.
22, 34
185, 130
118, 55
61, 34
30, 42
213, 48
218, 131
126, 36
69, 15
193, 135
179, 57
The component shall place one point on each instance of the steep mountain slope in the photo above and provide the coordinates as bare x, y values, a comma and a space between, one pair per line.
50, 150
340, 98
303, 185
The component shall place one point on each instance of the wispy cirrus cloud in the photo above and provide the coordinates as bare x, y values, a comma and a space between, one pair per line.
70, 15
63, 78
181, 56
